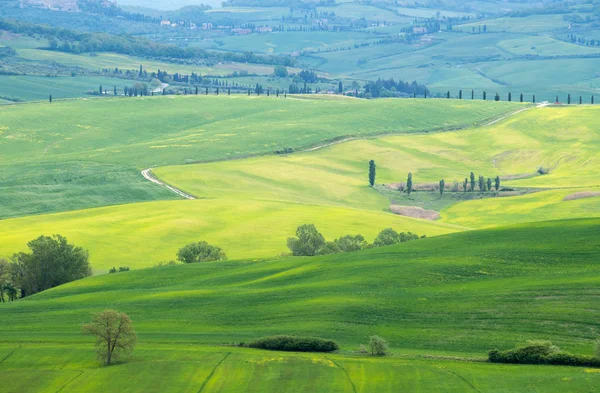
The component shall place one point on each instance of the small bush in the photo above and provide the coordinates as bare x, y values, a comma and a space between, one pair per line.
112, 270
541, 352
379, 346
363, 349
124, 268
294, 344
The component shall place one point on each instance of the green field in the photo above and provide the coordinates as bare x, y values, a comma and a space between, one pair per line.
460, 295
178, 130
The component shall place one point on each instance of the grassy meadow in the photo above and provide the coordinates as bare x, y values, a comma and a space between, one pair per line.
458, 295
177, 130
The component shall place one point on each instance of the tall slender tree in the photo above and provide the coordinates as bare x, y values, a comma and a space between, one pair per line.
521, 97
372, 172
409, 184
489, 184
497, 183
465, 184
472, 176
442, 186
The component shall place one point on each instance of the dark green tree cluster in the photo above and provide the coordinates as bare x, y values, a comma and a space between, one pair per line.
310, 242
200, 252
50, 262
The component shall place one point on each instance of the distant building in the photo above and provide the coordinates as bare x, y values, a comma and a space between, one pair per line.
241, 31
207, 26
419, 30
264, 29
165, 23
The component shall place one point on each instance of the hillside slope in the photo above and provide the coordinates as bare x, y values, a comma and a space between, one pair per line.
466, 292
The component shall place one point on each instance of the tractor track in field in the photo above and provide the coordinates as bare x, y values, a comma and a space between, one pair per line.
460, 377
345, 372
69, 381
10, 354
147, 173
212, 373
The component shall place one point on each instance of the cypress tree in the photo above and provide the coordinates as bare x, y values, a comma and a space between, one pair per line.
196, 90
534, 98
50, 98
115, 90
484, 96
497, 183
472, 181
372, 172
489, 184
465, 184
497, 98
521, 97
472, 94
592, 100
409, 184
509, 97
569, 99
448, 94
229, 91
580, 100
556, 99
442, 185
460, 94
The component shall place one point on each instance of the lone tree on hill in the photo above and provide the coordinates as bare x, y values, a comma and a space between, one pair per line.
472, 94
569, 99
509, 97
497, 183
442, 185
114, 334
533, 99
409, 184
50, 98
484, 96
460, 94
521, 98
379, 346
200, 252
372, 172
472, 182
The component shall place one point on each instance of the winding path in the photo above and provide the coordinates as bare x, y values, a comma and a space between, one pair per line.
147, 173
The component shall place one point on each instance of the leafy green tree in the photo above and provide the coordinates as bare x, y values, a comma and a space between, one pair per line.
472, 181
489, 184
442, 186
351, 243
114, 334
51, 262
497, 183
280, 71
308, 241
372, 172
4, 281
379, 346
200, 252
389, 236
328, 249
409, 184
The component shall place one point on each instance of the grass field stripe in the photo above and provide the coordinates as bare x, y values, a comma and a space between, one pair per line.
345, 372
212, 372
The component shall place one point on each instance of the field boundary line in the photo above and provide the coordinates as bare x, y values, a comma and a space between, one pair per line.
345, 372
461, 377
70, 380
208, 378
147, 173
10, 354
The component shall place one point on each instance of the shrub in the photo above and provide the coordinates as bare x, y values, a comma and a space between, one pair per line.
112, 270
294, 344
200, 252
363, 349
541, 352
378, 345
124, 268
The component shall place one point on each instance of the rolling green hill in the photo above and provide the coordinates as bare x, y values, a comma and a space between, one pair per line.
82, 137
458, 294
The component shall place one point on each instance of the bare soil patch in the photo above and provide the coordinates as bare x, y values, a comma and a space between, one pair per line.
581, 195
415, 212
